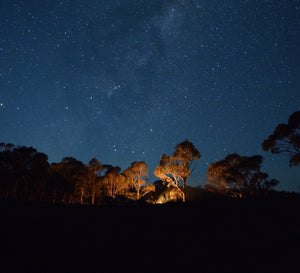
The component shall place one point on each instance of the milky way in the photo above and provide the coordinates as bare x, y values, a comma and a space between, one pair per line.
126, 81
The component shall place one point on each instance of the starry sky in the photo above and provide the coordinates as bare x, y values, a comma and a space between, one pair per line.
126, 81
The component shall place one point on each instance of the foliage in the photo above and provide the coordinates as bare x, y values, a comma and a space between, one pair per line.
23, 172
286, 139
238, 176
137, 174
175, 169
94, 173
114, 182
71, 174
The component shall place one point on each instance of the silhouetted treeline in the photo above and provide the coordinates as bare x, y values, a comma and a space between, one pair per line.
25, 174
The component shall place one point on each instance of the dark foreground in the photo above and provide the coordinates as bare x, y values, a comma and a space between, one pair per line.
211, 236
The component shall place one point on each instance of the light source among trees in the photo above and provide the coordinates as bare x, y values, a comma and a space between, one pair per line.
26, 174
176, 169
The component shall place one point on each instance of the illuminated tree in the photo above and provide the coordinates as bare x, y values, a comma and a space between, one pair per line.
114, 182
238, 176
176, 169
94, 169
137, 174
286, 139
71, 181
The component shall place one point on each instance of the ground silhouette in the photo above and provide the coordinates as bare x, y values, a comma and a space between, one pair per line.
225, 235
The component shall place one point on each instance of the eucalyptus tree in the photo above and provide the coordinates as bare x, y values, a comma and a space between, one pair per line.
286, 139
238, 176
176, 169
137, 175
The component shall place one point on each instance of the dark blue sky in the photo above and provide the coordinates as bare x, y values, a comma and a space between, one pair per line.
126, 81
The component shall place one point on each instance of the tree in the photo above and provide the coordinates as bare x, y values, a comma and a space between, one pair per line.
286, 139
57, 184
114, 182
238, 176
176, 169
72, 176
38, 168
137, 174
23, 172
94, 169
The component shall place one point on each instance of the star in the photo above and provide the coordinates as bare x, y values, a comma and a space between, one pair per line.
120, 81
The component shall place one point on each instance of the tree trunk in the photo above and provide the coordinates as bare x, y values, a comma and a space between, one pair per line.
64, 199
183, 191
81, 197
93, 198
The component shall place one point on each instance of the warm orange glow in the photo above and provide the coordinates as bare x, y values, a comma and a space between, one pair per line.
170, 194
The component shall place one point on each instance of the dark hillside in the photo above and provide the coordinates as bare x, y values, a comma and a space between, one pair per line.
211, 236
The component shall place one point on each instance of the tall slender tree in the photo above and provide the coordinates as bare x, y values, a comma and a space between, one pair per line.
94, 169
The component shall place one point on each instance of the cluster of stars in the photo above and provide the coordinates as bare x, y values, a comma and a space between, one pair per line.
128, 82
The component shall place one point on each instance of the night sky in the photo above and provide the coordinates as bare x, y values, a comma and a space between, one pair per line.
126, 81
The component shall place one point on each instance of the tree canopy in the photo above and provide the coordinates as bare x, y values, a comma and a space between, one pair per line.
137, 174
25, 174
114, 182
286, 139
238, 176
175, 169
